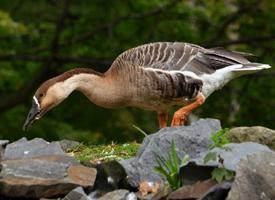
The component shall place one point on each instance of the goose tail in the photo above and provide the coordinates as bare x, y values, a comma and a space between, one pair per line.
250, 68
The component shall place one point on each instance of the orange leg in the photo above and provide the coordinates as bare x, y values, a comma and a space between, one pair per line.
180, 115
162, 120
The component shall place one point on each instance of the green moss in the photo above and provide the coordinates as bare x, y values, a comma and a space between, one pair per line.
99, 153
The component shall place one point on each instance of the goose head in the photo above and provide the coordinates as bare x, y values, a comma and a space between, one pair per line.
47, 96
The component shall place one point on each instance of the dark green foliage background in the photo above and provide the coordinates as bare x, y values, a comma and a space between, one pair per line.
43, 38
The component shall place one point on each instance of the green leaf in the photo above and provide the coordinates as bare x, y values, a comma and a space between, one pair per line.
169, 168
140, 130
219, 139
210, 156
160, 170
175, 156
221, 174
184, 160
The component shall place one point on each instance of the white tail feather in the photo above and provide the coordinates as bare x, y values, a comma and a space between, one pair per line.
252, 67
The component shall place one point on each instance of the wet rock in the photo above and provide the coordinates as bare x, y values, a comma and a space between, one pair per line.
35, 147
256, 134
110, 176
191, 140
194, 191
115, 195
255, 178
217, 192
113, 174
67, 145
76, 194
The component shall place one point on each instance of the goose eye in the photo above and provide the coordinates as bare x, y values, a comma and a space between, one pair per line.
41, 95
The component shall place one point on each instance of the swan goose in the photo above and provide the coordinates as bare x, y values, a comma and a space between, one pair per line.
154, 76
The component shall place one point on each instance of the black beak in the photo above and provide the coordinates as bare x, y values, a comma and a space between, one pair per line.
34, 114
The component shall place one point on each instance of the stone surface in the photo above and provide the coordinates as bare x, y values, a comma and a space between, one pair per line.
191, 140
231, 154
67, 145
194, 191
115, 195
3, 144
256, 134
37, 168
255, 178
44, 176
217, 192
35, 147
110, 176
76, 194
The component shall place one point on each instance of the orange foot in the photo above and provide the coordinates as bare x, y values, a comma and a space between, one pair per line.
180, 115
179, 118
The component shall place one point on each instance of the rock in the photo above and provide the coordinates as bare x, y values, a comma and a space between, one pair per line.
76, 194
39, 169
255, 178
191, 140
3, 144
113, 174
231, 154
67, 145
192, 191
35, 147
115, 195
110, 176
192, 173
131, 196
217, 192
151, 190
256, 134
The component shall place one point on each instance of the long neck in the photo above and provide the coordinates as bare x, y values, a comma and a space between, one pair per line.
100, 89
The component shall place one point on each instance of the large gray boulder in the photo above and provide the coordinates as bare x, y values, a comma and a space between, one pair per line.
255, 178
191, 140
231, 154
256, 134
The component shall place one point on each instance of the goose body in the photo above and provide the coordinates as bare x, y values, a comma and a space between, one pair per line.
153, 76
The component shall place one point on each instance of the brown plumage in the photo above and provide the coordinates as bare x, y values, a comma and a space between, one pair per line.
153, 76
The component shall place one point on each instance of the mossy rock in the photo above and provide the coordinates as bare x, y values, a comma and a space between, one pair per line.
258, 134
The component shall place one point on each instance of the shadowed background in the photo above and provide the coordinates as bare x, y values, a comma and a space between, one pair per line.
43, 38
